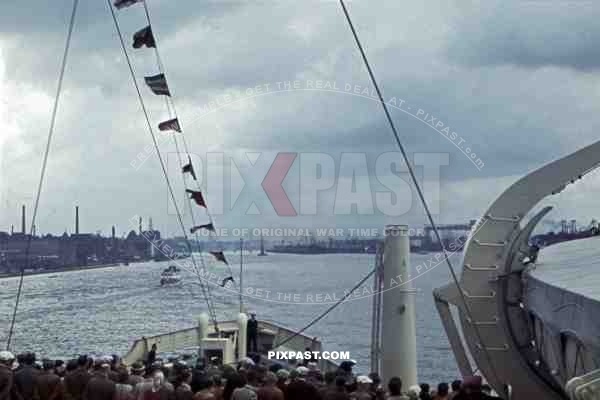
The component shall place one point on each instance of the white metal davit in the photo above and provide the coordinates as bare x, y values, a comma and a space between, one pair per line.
492, 286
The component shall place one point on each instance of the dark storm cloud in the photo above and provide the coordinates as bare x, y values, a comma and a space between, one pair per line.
435, 58
531, 34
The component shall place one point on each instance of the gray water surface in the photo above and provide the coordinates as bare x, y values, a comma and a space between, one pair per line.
103, 311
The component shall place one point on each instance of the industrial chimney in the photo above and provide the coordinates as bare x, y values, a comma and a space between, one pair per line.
77, 220
140, 225
23, 219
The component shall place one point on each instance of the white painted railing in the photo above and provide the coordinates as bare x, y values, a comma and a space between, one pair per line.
585, 387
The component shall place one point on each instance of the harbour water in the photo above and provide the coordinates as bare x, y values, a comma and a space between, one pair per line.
103, 311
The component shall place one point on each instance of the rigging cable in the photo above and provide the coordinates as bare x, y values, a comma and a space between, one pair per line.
170, 103
44, 165
156, 146
419, 191
324, 313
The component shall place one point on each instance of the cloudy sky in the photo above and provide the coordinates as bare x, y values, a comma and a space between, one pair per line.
517, 83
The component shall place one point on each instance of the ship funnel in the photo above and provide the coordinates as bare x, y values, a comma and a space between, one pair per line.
23, 219
242, 335
77, 220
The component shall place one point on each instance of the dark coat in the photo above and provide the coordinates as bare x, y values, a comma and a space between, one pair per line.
252, 327
49, 387
24, 382
99, 388
301, 390
75, 383
6, 382
269, 393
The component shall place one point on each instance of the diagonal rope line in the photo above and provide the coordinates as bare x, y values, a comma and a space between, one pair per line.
156, 146
44, 165
327, 311
419, 191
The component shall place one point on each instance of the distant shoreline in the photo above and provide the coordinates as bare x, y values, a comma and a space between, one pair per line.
57, 271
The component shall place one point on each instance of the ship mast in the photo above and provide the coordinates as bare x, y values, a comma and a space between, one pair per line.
241, 273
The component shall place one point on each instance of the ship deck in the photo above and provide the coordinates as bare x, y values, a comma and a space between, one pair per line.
573, 266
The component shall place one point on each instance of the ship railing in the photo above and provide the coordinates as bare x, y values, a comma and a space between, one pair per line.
584, 387
167, 343
174, 341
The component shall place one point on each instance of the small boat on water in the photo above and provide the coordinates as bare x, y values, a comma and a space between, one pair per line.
170, 276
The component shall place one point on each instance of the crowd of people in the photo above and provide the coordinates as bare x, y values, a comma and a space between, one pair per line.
107, 378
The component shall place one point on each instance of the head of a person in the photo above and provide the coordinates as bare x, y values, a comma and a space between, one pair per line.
7, 358
154, 347
414, 392
294, 374
59, 366
425, 389
138, 368
29, 359
82, 361
363, 382
302, 372
270, 379
395, 386
375, 378
282, 375
442, 389
72, 365
456, 385
48, 365
253, 316
186, 376
347, 365
158, 379
21, 358
103, 364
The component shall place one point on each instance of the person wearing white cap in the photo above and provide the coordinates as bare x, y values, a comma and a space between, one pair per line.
413, 392
362, 390
7, 359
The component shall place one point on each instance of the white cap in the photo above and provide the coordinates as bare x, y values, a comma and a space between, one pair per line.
6, 356
363, 379
302, 371
416, 389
